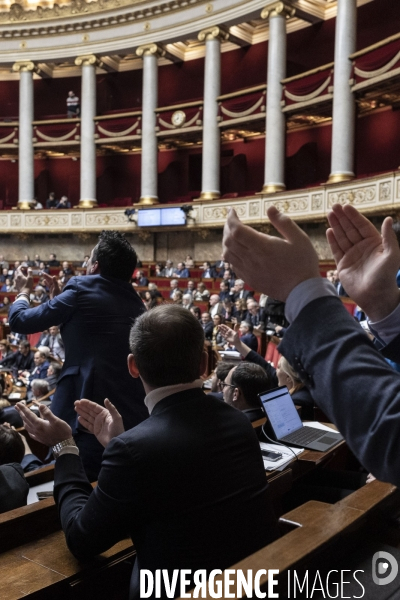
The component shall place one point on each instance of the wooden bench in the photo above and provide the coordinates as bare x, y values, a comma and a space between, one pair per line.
36, 563
317, 532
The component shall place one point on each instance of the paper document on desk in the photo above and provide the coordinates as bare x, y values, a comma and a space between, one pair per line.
287, 456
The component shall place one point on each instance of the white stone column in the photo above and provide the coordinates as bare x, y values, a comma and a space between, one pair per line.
88, 146
343, 115
149, 167
275, 134
26, 178
211, 134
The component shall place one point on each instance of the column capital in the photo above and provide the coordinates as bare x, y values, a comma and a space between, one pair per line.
213, 33
150, 50
23, 66
87, 59
278, 9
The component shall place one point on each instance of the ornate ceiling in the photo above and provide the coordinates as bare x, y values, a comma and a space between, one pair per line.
54, 33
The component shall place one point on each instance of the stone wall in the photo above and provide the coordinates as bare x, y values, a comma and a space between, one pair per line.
203, 244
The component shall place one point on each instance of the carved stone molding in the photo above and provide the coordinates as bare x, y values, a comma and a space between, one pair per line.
279, 9
19, 13
213, 33
374, 196
150, 50
357, 196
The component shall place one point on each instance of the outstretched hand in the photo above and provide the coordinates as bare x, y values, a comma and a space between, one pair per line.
23, 280
230, 335
268, 263
104, 422
52, 284
367, 261
49, 429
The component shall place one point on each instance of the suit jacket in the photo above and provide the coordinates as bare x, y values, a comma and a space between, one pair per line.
18, 361
250, 340
349, 381
13, 487
39, 372
182, 273
96, 313
185, 485
257, 359
208, 330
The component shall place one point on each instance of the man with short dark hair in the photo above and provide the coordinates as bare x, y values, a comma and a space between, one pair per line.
185, 484
241, 386
22, 360
181, 271
207, 325
53, 262
96, 312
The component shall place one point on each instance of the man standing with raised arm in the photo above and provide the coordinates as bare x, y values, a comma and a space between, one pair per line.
346, 376
95, 313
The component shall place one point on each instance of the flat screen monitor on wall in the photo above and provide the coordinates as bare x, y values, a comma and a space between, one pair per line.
156, 217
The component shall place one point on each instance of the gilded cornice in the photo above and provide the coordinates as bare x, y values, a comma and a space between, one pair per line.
19, 14
279, 9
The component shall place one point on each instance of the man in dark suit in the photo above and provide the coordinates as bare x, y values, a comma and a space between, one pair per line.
13, 486
181, 271
347, 377
241, 386
247, 336
207, 325
22, 360
238, 291
41, 367
96, 312
185, 484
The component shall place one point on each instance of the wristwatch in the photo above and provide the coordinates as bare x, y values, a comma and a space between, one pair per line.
58, 447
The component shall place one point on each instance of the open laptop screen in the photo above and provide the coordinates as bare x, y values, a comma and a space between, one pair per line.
281, 411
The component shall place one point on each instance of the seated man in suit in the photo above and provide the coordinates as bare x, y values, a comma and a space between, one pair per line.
347, 377
22, 360
255, 316
185, 484
238, 292
54, 342
174, 285
247, 336
13, 486
96, 312
207, 325
241, 386
140, 279
181, 271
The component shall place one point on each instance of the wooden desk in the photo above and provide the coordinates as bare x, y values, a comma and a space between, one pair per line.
36, 563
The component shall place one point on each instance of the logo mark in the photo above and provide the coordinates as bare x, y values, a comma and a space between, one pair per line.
381, 561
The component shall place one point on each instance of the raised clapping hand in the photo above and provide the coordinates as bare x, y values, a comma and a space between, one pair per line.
104, 422
230, 335
48, 429
23, 280
268, 263
367, 262
52, 284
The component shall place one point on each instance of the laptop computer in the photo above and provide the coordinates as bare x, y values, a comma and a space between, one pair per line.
285, 425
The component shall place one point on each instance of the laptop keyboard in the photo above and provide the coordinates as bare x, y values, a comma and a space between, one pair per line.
305, 435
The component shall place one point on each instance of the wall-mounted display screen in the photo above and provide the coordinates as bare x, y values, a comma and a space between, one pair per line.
156, 217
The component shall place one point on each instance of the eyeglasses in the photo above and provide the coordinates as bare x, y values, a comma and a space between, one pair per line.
223, 384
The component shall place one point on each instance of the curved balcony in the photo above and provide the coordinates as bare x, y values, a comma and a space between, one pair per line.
373, 196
